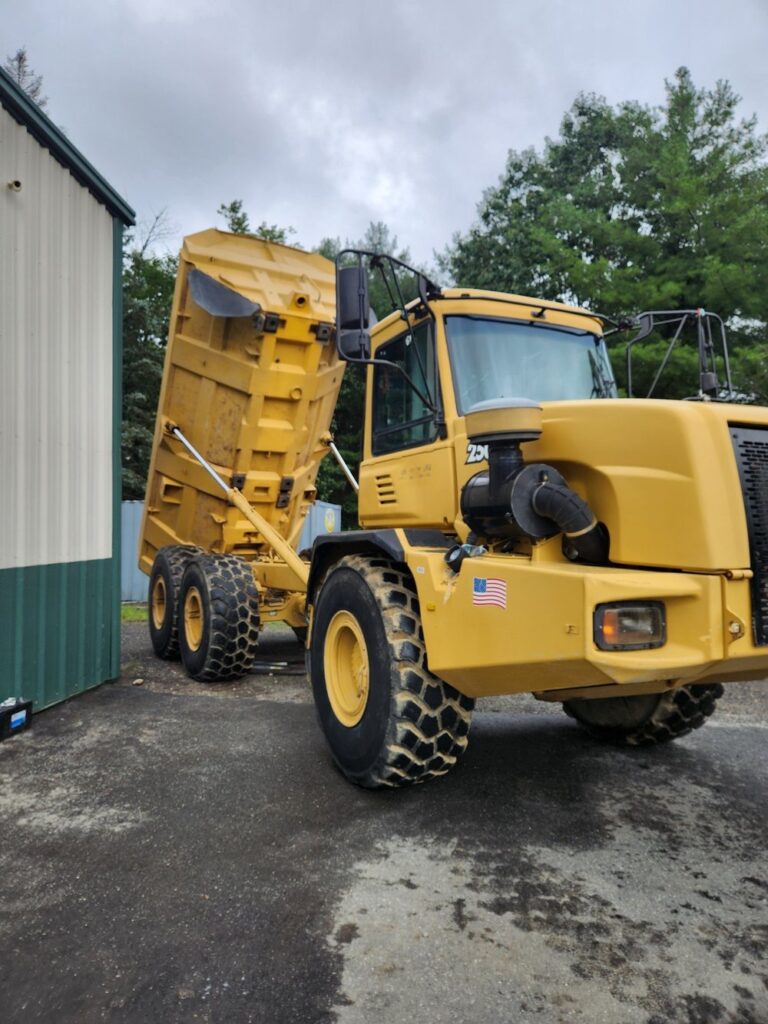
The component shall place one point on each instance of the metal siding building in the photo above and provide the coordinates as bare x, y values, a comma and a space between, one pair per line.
60, 404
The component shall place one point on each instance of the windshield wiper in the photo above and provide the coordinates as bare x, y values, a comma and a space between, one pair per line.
601, 386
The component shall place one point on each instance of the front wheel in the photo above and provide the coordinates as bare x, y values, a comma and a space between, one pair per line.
387, 720
648, 718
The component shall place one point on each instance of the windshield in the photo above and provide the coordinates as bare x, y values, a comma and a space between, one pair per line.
495, 358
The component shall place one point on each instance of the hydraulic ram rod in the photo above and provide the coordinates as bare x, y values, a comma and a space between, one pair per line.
236, 497
344, 467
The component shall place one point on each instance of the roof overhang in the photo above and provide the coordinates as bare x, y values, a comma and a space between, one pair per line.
28, 114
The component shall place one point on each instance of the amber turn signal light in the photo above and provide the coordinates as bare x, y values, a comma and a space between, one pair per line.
635, 626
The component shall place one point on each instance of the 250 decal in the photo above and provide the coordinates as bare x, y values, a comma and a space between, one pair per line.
476, 453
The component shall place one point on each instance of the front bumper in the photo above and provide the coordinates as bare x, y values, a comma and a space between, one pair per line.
543, 638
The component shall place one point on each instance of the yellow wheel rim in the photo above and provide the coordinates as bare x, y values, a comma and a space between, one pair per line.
346, 668
159, 602
193, 618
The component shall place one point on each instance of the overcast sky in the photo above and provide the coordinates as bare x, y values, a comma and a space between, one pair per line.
326, 115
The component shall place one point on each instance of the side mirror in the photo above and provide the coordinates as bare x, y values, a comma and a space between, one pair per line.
352, 298
353, 344
353, 340
644, 326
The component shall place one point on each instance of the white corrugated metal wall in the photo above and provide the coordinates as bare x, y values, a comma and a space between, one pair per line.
60, 351
56, 402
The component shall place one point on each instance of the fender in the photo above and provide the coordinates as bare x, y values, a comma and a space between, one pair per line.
329, 548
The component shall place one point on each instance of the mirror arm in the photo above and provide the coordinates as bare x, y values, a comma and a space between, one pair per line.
426, 399
665, 360
428, 402
644, 329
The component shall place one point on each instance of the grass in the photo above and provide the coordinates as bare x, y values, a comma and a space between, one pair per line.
133, 613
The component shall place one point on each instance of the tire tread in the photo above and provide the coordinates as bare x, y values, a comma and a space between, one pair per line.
233, 629
676, 714
416, 690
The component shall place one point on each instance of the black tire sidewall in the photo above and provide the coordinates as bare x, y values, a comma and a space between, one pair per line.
356, 749
162, 638
195, 576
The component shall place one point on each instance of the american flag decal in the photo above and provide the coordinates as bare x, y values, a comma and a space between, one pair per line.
489, 591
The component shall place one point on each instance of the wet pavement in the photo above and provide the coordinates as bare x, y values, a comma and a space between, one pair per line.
173, 851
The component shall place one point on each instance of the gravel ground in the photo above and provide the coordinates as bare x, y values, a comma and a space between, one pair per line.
179, 852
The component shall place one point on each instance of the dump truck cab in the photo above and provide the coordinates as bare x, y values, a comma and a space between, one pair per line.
470, 347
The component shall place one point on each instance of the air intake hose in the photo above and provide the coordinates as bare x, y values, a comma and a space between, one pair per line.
564, 507
585, 538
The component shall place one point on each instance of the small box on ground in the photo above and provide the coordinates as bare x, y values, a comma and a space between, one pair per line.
15, 716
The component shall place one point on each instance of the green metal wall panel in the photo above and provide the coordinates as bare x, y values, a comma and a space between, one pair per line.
58, 635
117, 423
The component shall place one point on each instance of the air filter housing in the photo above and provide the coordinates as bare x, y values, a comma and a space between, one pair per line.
504, 421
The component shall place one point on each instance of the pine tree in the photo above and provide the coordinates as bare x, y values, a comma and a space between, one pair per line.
18, 67
634, 208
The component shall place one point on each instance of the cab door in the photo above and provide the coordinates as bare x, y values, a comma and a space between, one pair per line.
407, 477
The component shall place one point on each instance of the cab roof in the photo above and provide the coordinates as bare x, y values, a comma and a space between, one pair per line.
522, 302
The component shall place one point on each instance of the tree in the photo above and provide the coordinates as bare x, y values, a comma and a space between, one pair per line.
18, 67
148, 284
239, 223
634, 208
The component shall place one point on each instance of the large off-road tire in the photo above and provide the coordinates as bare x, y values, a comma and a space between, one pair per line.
387, 719
650, 718
163, 597
218, 618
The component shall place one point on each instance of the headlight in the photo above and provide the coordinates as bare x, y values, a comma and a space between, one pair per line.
630, 627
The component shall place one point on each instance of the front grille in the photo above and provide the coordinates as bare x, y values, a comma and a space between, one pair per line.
751, 448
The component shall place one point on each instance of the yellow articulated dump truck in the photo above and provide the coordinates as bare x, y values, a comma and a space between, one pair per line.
522, 529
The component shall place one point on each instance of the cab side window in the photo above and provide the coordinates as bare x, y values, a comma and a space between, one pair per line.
401, 416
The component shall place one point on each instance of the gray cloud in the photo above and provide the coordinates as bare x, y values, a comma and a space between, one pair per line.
328, 115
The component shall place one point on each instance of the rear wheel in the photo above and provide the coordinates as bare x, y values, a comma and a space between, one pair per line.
218, 618
387, 719
163, 597
649, 718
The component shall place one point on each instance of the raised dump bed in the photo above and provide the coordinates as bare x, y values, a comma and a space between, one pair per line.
251, 380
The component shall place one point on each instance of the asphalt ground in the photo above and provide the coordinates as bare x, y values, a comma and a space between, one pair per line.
177, 852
